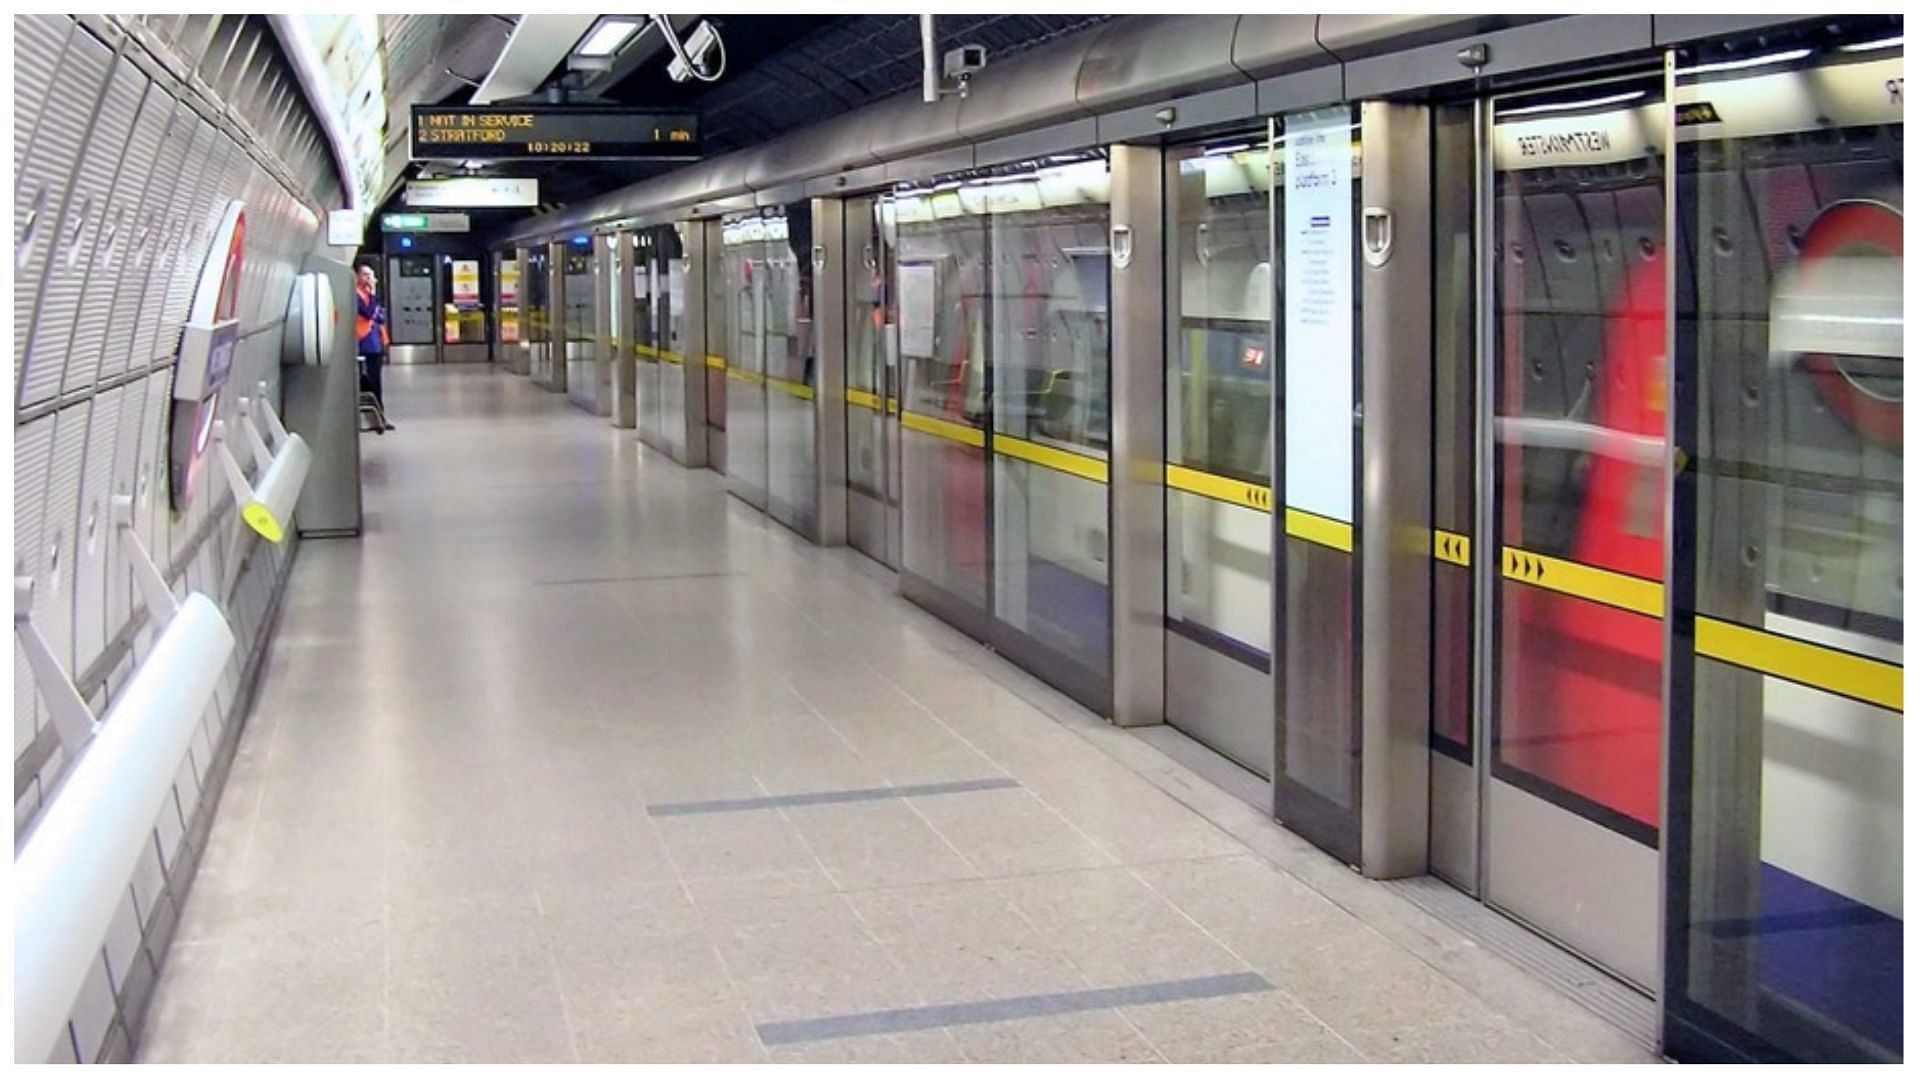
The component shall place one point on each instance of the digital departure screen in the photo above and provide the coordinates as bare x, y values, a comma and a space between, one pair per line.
552, 132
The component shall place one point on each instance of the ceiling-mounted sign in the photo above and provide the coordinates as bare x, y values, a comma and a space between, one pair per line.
474, 191
552, 132
425, 223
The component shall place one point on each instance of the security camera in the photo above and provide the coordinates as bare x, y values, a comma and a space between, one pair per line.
692, 59
962, 62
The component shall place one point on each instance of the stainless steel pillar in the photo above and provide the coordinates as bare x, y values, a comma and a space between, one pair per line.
614, 318
1396, 439
1137, 470
552, 374
830, 382
693, 367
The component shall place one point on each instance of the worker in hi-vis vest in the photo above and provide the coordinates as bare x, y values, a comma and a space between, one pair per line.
370, 334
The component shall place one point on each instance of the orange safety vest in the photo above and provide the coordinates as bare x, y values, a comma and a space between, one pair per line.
362, 324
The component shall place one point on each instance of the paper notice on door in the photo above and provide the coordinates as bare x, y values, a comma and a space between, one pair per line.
919, 294
1317, 241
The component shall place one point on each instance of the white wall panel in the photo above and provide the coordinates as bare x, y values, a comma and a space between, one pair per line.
94, 530
44, 180
126, 477
111, 302
150, 500
32, 457
54, 569
187, 251
116, 154
82, 231
162, 227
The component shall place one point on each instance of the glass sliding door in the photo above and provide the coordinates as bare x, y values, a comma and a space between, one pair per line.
1786, 923
1579, 395
1001, 290
872, 409
646, 336
1047, 317
746, 271
787, 319
1219, 449
941, 281
670, 337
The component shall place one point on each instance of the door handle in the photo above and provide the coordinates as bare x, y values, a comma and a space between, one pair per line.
1122, 246
819, 255
1203, 244
1376, 235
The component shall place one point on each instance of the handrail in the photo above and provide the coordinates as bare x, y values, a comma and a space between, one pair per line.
72, 872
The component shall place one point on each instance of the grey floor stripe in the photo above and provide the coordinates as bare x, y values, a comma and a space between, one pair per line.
1007, 1009
808, 799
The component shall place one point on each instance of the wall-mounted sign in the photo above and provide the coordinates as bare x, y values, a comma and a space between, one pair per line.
425, 223
497, 132
473, 191
1317, 240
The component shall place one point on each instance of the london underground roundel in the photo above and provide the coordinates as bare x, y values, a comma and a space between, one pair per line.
205, 359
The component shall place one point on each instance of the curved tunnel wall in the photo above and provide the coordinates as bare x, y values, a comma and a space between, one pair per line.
131, 136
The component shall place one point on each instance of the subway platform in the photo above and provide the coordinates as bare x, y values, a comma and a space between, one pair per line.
573, 757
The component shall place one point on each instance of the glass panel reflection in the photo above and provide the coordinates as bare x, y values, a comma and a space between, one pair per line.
940, 279
788, 324
1048, 312
1580, 431
1789, 344
1219, 396
744, 257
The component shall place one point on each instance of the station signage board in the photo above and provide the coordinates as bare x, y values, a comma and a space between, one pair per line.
469, 192
552, 133
425, 223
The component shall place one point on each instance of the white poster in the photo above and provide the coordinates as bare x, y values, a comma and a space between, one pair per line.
1317, 244
919, 292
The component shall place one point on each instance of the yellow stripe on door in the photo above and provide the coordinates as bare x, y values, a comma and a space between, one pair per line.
1049, 457
1634, 594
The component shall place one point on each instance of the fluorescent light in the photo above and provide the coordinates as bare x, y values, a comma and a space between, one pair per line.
1749, 62
1222, 151
607, 37
1565, 106
1893, 42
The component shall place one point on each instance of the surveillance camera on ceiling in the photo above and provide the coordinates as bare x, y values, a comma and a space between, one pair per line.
694, 54
962, 62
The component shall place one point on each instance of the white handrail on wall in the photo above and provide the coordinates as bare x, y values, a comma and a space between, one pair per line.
75, 867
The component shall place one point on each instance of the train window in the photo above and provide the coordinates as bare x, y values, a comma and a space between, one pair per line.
1787, 703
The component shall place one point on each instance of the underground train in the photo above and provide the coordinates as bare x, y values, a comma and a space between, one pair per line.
1483, 433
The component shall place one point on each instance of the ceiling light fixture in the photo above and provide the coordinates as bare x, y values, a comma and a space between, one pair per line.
607, 37
1786, 57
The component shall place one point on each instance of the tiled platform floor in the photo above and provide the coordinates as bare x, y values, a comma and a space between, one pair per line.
474, 814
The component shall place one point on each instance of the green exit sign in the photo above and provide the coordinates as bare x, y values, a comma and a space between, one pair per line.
425, 223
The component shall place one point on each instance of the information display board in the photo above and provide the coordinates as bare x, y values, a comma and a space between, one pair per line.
1317, 245
551, 132
464, 192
